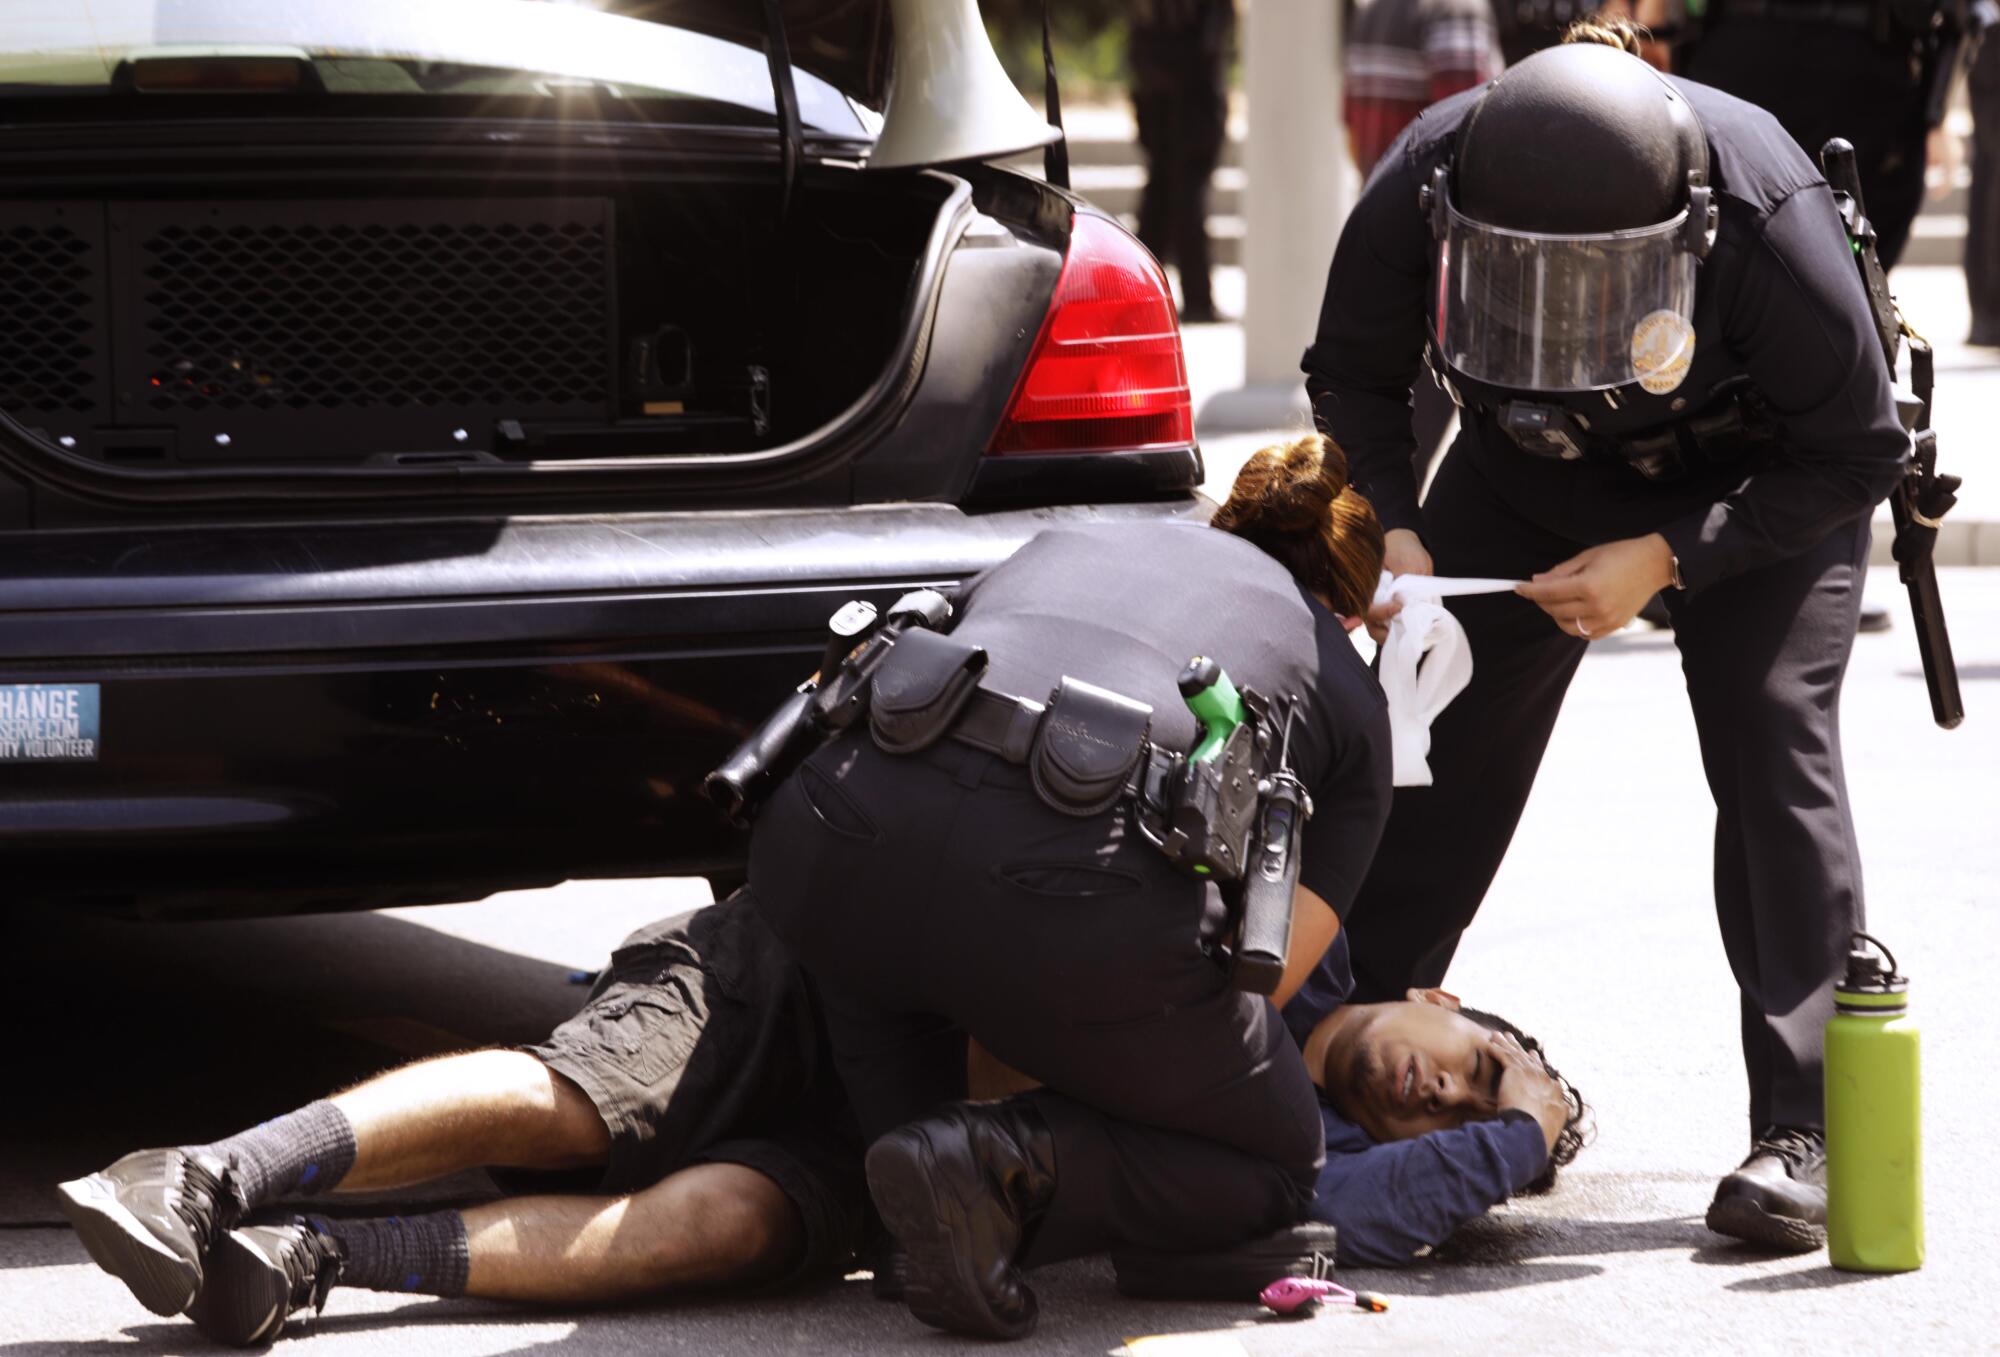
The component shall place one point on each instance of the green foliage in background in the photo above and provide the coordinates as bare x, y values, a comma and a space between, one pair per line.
1089, 41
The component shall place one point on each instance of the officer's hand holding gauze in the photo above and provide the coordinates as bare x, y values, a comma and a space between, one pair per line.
1425, 662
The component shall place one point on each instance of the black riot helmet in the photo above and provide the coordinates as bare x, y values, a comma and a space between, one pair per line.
1569, 223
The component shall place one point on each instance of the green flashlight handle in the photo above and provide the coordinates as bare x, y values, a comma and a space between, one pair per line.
1213, 699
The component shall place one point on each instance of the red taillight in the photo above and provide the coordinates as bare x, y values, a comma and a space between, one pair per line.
1106, 373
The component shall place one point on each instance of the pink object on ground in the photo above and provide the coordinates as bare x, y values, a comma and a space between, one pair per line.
1294, 1296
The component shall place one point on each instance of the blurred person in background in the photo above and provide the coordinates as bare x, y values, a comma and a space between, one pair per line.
1179, 55
1872, 71
1982, 222
1401, 57
1405, 55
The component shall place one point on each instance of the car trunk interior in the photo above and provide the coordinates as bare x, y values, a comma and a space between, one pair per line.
400, 323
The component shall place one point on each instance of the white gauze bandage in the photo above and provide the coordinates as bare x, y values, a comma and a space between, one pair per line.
1425, 662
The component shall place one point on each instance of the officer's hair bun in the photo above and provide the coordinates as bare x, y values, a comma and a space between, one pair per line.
1293, 500
1607, 32
1289, 487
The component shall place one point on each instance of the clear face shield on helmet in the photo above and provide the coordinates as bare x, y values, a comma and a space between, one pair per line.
1548, 313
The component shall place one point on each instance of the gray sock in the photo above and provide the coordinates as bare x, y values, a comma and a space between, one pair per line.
304, 1152
423, 1255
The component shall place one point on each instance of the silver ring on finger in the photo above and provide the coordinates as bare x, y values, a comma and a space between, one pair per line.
1582, 630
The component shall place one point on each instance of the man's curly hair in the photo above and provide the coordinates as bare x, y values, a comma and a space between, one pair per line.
1577, 1127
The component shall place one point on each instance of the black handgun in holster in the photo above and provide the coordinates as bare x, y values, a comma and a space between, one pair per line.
1921, 499
829, 702
1234, 820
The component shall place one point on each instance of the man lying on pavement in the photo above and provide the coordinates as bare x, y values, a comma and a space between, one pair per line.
1433, 1113
698, 1079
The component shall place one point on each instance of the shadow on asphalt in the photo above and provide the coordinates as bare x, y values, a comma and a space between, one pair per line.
1806, 1279
1518, 1237
162, 1034
1457, 1278
1081, 1313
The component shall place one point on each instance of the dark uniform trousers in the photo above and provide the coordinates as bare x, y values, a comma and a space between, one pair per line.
1982, 223
1763, 655
1180, 107
933, 895
1822, 81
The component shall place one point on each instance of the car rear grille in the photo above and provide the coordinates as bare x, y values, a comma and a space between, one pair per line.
343, 316
52, 356
296, 330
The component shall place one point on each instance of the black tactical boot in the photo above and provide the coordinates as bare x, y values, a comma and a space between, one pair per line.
260, 1275
149, 1219
961, 1190
1777, 1199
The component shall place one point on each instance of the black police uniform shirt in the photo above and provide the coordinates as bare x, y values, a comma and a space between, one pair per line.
1778, 299
1125, 606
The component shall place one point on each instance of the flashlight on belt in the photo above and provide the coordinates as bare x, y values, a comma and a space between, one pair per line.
1271, 874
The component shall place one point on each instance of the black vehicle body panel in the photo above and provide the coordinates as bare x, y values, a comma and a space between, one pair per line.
328, 688
357, 716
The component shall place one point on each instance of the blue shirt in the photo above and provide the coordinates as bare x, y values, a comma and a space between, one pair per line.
1389, 1201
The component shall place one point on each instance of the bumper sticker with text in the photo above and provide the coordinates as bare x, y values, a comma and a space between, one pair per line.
48, 722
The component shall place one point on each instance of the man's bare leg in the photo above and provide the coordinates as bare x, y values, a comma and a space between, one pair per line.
151, 1218
703, 1226
474, 1110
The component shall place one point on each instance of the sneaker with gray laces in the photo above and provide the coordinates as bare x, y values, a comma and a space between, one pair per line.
260, 1275
1777, 1198
149, 1219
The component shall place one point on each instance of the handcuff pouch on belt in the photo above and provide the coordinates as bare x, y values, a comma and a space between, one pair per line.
1080, 747
919, 689
1090, 741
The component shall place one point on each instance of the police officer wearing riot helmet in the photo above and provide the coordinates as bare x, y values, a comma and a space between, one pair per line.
1641, 292
958, 888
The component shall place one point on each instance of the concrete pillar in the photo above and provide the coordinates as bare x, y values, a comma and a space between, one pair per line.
1297, 188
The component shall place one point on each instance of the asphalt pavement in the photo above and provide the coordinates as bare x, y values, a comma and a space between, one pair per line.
1598, 936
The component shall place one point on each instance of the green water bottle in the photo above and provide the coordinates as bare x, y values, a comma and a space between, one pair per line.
1874, 1137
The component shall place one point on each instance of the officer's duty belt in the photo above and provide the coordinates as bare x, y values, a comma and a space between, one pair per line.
1007, 727
1729, 427
1082, 747
999, 724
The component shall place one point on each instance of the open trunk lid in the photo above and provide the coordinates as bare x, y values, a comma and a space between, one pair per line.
820, 68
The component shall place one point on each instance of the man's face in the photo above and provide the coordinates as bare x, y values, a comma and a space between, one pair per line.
1411, 1068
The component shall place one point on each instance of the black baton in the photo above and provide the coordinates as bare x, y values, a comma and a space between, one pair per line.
1920, 500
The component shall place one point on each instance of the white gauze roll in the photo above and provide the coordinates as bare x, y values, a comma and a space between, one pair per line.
1425, 662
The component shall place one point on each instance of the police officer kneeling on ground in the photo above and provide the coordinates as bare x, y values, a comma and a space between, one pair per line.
1644, 299
979, 857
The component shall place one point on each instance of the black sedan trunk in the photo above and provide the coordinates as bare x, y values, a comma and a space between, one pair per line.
419, 327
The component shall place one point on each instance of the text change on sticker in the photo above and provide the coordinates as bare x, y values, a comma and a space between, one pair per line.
48, 722
1662, 348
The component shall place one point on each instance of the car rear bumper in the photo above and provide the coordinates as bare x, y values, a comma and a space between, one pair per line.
355, 715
